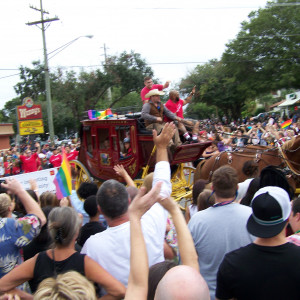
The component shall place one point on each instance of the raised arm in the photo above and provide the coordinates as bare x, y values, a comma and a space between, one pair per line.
166, 85
14, 187
138, 277
190, 96
186, 246
120, 170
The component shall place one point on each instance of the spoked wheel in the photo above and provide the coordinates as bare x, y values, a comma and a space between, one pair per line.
82, 174
182, 184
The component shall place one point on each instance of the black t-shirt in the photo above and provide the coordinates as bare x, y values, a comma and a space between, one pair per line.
35, 247
87, 230
258, 272
44, 267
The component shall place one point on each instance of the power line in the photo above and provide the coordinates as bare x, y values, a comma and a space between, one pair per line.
9, 76
200, 8
172, 63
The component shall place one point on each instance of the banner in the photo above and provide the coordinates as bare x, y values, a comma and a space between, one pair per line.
44, 180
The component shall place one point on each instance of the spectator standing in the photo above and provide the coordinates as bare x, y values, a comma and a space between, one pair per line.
55, 159
294, 221
112, 246
63, 226
93, 226
221, 228
16, 233
29, 161
271, 265
71, 155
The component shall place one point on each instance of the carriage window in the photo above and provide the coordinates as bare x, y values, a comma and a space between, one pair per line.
103, 138
89, 142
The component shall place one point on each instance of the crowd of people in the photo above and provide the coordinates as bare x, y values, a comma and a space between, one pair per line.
136, 244
236, 240
224, 134
32, 157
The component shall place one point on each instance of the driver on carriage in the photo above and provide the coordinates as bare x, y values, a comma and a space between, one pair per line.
153, 113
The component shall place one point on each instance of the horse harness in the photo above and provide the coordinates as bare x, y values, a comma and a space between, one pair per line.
248, 153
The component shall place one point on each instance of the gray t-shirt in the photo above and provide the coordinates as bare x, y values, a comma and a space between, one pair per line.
217, 231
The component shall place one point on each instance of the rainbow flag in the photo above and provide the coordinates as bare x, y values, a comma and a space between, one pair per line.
286, 124
63, 179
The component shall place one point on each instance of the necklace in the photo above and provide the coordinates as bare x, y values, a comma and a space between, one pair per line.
223, 203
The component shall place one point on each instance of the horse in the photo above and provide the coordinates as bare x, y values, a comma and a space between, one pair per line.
285, 157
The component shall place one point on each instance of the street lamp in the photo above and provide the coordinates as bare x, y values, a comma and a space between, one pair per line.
63, 47
47, 78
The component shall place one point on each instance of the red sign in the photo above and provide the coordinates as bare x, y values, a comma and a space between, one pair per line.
29, 113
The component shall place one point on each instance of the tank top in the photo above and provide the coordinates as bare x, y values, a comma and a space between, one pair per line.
44, 267
193, 209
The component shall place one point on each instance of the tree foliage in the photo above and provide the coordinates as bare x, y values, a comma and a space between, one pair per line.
215, 88
73, 94
128, 71
264, 57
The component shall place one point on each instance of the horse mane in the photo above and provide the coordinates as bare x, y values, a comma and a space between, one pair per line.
289, 152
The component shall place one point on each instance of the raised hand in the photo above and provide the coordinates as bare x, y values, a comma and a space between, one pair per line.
142, 202
162, 140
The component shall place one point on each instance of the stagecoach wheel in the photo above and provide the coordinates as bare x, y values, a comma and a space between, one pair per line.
82, 174
182, 185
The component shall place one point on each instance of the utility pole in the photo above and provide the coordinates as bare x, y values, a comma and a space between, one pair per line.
109, 89
46, 67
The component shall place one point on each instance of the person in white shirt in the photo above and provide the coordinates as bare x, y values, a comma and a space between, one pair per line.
111, 248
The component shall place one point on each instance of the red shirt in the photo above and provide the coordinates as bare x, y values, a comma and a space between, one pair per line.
29, 164
175, 108
55, 160
145, 91
16, 170
72, 155
6, 168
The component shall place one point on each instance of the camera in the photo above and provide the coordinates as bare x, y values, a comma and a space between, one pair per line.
2, 189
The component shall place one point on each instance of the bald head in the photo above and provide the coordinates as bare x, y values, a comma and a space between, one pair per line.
173, 95
182, 282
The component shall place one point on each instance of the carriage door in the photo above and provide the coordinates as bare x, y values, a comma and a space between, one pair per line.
105, 147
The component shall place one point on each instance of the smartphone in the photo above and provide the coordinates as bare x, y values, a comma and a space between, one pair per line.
2, 189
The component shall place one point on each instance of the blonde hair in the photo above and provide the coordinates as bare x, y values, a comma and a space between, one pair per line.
5, 203
48, 199
148, 182
67, 286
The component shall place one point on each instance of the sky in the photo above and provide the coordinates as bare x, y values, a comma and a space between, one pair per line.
172, 36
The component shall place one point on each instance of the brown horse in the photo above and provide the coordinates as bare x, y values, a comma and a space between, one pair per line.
286, 156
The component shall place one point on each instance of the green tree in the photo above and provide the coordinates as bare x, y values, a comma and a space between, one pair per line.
214, 87
73, 94
8, 113
265, 54
128, 71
